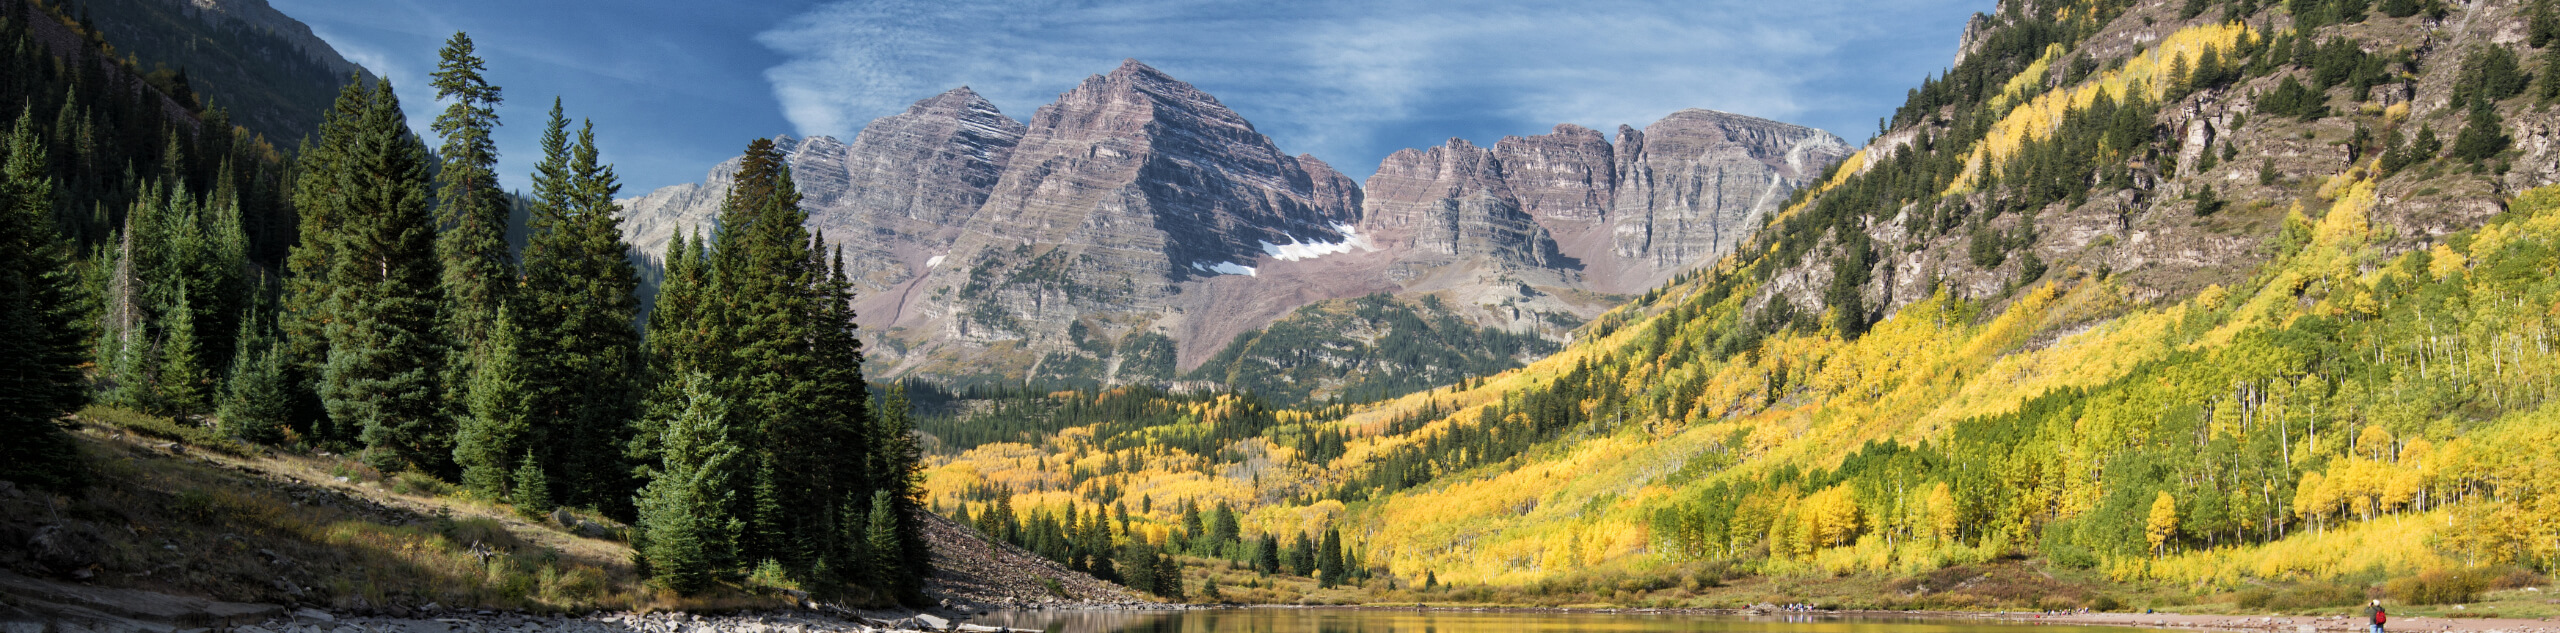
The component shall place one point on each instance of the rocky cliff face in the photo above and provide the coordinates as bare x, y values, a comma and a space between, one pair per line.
1626, 215
1134, 227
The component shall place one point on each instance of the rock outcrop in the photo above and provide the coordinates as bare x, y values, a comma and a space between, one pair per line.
1132, 228
1628, 215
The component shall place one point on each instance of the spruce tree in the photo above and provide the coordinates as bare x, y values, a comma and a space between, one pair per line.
2483, 135
687, 533
885, 542
1302, 556
319, 202
595, 346
182, 381
676, 340
759, 319
583, 354
386, 348
1266, 555
1329, 559
894, 444
532, 493
257, 406
2547, 85
471, 209
496, 436
40, 326
1168, 577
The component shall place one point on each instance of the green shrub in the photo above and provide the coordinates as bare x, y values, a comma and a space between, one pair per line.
418, 483
2438, 586
2255, 598
163, 428
2315, 596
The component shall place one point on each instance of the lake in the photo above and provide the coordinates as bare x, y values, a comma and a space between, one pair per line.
1324, 620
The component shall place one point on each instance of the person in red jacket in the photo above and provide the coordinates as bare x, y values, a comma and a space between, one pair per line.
2374, 613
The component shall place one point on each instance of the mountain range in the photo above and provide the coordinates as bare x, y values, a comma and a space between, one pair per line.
1131, 230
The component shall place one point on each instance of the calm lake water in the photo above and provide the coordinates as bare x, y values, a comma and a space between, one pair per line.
1286, 620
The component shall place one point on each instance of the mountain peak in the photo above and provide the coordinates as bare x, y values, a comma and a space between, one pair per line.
1133, 68
955, 100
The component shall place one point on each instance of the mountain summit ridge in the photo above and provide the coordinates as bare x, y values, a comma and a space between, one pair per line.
1129, 229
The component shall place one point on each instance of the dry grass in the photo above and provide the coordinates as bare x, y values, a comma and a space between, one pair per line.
216, 518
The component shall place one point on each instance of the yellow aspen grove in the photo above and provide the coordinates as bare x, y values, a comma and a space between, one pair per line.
1944, 519
2163, 524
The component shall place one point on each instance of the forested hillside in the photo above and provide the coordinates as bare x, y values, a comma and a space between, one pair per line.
357, 295
2203, 295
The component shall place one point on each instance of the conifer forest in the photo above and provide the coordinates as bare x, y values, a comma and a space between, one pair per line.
356, 293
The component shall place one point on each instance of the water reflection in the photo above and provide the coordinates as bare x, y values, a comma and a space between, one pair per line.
1288, 620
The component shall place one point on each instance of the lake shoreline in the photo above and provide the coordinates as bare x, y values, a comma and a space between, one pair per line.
2252, 624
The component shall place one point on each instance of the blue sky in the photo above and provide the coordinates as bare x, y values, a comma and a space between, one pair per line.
674, 87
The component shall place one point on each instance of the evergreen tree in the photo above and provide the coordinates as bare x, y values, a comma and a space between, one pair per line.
1266, 554
759, 320
1168, 577
1209, 590
592, 346
886, 546
676, 339
533, 489
687, 533
2483, 135
497, 434
580, 353
386, 350
2488, 75
40, 327
1223, 529
1302, 556
319, 202
2547, 85
1329, 559
257, 406
1138, 565
894, 446
182, 380
2542, 22
471, 209
1104, 570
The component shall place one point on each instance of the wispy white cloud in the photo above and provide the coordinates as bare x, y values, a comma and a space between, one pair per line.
1351, 80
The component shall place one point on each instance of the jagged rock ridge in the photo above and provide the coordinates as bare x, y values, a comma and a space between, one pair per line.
1132, 228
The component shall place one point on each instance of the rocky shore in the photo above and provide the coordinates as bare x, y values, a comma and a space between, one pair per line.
461, 621
2286, 624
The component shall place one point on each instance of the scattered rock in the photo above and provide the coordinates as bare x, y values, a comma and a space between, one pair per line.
62, 549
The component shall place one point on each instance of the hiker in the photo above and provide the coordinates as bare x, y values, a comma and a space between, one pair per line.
2374, 613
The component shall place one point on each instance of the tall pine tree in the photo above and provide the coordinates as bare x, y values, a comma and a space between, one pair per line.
385, 341
471, 209
319, 201
583, 373
761, 319
40, 327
